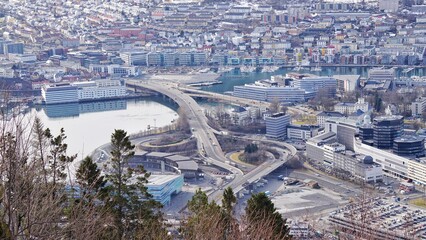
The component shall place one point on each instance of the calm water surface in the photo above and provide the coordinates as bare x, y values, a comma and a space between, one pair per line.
90, 125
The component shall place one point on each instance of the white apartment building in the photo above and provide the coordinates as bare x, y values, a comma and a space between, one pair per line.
99, 89
418, 106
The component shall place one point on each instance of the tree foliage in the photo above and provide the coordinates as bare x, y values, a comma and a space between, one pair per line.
260, 209
251, 148
128, 198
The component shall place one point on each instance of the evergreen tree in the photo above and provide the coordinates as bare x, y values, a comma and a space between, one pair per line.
39, 144
128, 198
89, 178
206, 221
260, 209
58, 158
228, 200
198, 202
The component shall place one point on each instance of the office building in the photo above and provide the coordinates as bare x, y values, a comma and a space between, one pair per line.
386, 129
276, 125
134, 58
59, 94
314, 146
409, 146
345, 129
366, 134
270, 93
301, 132
391, 163
418, 106
329, 151
316, 84
9, 47
84, 91
359, 166
416, 171
163, 187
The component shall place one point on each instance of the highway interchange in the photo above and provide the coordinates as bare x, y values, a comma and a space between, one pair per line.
206, 140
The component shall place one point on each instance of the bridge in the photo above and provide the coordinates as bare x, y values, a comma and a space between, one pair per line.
206, 139
234, 100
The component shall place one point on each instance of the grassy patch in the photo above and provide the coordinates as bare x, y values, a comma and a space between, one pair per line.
419, 202
237, 157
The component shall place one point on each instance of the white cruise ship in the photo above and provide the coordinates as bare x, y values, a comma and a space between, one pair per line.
84, 91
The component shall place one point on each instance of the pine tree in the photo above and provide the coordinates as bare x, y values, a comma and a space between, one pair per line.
89, 178
228, 200
260, 209
206, 220
128, 198
58, 158
198, 202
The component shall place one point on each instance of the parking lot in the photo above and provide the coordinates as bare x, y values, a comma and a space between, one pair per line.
382, 217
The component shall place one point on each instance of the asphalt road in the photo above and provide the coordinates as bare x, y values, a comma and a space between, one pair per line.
206, 140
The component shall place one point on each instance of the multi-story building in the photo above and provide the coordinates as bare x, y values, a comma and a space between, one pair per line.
389, 5
348, 108
113, 69
391, 163
101, 89
154, 59
386, 129
302, 132
345, 129
59, 94
314, 146
84, 91
323, 116
361, 167
270, 93
409, 146
9, 47
315, 84
276, 125
380, 74
163, 187
329, 151
418, 106
417, 171
136, 58
347, 83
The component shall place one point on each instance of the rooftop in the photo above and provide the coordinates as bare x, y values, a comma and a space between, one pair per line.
161, 179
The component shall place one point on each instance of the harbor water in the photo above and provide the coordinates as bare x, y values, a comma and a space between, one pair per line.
90, 125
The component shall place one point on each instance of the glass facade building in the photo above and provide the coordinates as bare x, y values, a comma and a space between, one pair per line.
386, 129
